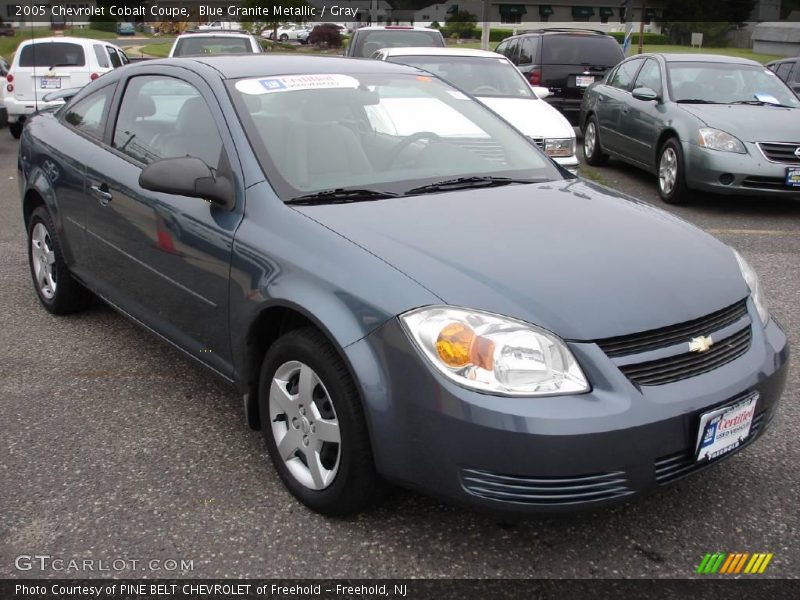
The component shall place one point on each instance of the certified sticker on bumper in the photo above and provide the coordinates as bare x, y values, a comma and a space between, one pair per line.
793, 176
724, 429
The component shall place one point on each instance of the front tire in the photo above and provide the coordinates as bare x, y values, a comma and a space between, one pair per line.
671, 173
15, 129
284, 37
314, 426
592, 150
58, 292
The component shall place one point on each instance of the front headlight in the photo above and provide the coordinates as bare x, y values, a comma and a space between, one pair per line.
756, 292
560, 147
715, 139
494, 354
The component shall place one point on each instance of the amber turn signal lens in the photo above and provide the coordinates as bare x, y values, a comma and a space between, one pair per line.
458, 346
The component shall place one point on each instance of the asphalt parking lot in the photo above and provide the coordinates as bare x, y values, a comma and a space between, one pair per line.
115, 446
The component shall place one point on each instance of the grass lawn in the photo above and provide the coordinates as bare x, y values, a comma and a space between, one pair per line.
160, 50
8, 45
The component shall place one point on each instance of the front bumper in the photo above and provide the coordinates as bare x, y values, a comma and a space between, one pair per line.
570, 163
748, 174
553, 454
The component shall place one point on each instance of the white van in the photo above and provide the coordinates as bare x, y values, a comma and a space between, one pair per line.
44, 65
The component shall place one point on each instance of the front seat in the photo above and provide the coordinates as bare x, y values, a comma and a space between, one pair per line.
195, 135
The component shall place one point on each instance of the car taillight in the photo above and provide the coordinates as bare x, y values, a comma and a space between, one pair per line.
10, 87
9, 78
535, 77
93, 76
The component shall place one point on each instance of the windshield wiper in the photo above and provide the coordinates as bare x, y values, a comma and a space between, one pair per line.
62, 65
469, 182
761, 103
341, 195
695, 101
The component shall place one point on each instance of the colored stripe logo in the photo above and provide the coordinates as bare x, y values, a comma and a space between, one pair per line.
734, 563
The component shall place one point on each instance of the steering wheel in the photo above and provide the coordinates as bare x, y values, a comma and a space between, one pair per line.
484, 89
415, 137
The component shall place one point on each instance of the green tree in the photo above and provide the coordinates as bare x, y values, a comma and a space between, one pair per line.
713, 18
461, 23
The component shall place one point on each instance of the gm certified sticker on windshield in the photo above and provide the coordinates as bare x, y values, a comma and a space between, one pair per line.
291, 83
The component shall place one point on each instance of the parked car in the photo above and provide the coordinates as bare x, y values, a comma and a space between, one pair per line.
7, 30
699, 122
201, 44
288, 33
42, 65
4, 68
566, 61
493, 80
220, 26
126, 28
367, 40
455, 316
788, 70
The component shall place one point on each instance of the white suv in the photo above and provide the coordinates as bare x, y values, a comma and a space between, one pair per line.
44, 65
204, 43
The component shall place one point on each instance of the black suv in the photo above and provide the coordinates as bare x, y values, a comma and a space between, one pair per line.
565, 60
789, 71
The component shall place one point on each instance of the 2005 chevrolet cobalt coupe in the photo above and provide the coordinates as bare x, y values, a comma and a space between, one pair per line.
429, 301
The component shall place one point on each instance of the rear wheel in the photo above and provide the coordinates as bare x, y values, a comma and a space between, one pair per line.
15, 129
58, 292
284, 37
671, 176
592, 151
314, 427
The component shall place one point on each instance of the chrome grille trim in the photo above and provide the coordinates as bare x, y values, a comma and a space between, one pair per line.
780, 152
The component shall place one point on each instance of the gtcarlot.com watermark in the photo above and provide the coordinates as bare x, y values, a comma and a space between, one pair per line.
62, 564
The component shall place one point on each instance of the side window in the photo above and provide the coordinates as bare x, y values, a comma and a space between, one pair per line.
123, 57
163, 117
502, 47
624, 74
100, 53
115, 60
513, 51
88, 115
796, 73
783, 70
526, 51
649, 76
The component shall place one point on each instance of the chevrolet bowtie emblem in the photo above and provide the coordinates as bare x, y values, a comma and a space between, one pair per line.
700, 344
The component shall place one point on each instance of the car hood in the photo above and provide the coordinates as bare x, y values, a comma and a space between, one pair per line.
570, 256
533, 117
750, 123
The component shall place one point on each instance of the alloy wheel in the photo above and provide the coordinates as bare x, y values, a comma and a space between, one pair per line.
304, 425
667, 171
589, 139
43, 261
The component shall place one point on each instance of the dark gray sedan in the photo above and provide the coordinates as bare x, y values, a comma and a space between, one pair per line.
427, 301
699, 122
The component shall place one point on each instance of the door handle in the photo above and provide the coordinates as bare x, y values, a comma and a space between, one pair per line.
101, 192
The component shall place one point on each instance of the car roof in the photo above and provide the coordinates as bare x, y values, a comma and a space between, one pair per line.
216, 34
428, 51
563, 31
68, 39
395, 27
237, 66
717, 58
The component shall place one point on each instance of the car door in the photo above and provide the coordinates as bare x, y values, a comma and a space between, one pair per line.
65, 170
613, 103
163, 258
641, 125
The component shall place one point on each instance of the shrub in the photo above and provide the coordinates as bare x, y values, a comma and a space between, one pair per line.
103, 23
649, 37
498, 35
325, 35
461, 24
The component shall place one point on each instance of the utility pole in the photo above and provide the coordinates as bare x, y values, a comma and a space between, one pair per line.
486, 26
641, 27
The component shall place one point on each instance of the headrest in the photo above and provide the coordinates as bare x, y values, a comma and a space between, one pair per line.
144, 106
194, 117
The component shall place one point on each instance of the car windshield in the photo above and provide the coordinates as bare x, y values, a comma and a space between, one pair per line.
390, 133
367, 42
727, 83
197, 45
480, 76
579, 49
48, 54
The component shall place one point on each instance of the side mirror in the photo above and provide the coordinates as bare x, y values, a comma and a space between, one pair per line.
187, 176
645, 94
541, 92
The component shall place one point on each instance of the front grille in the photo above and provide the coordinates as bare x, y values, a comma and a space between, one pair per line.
485, 148
545, 491
680, 464
781, 152
667, 336
690, 364
538, 141
769, 183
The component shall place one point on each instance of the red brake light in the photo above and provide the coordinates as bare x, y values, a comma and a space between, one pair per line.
93, 76
9, 78
10, 87
535, 77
